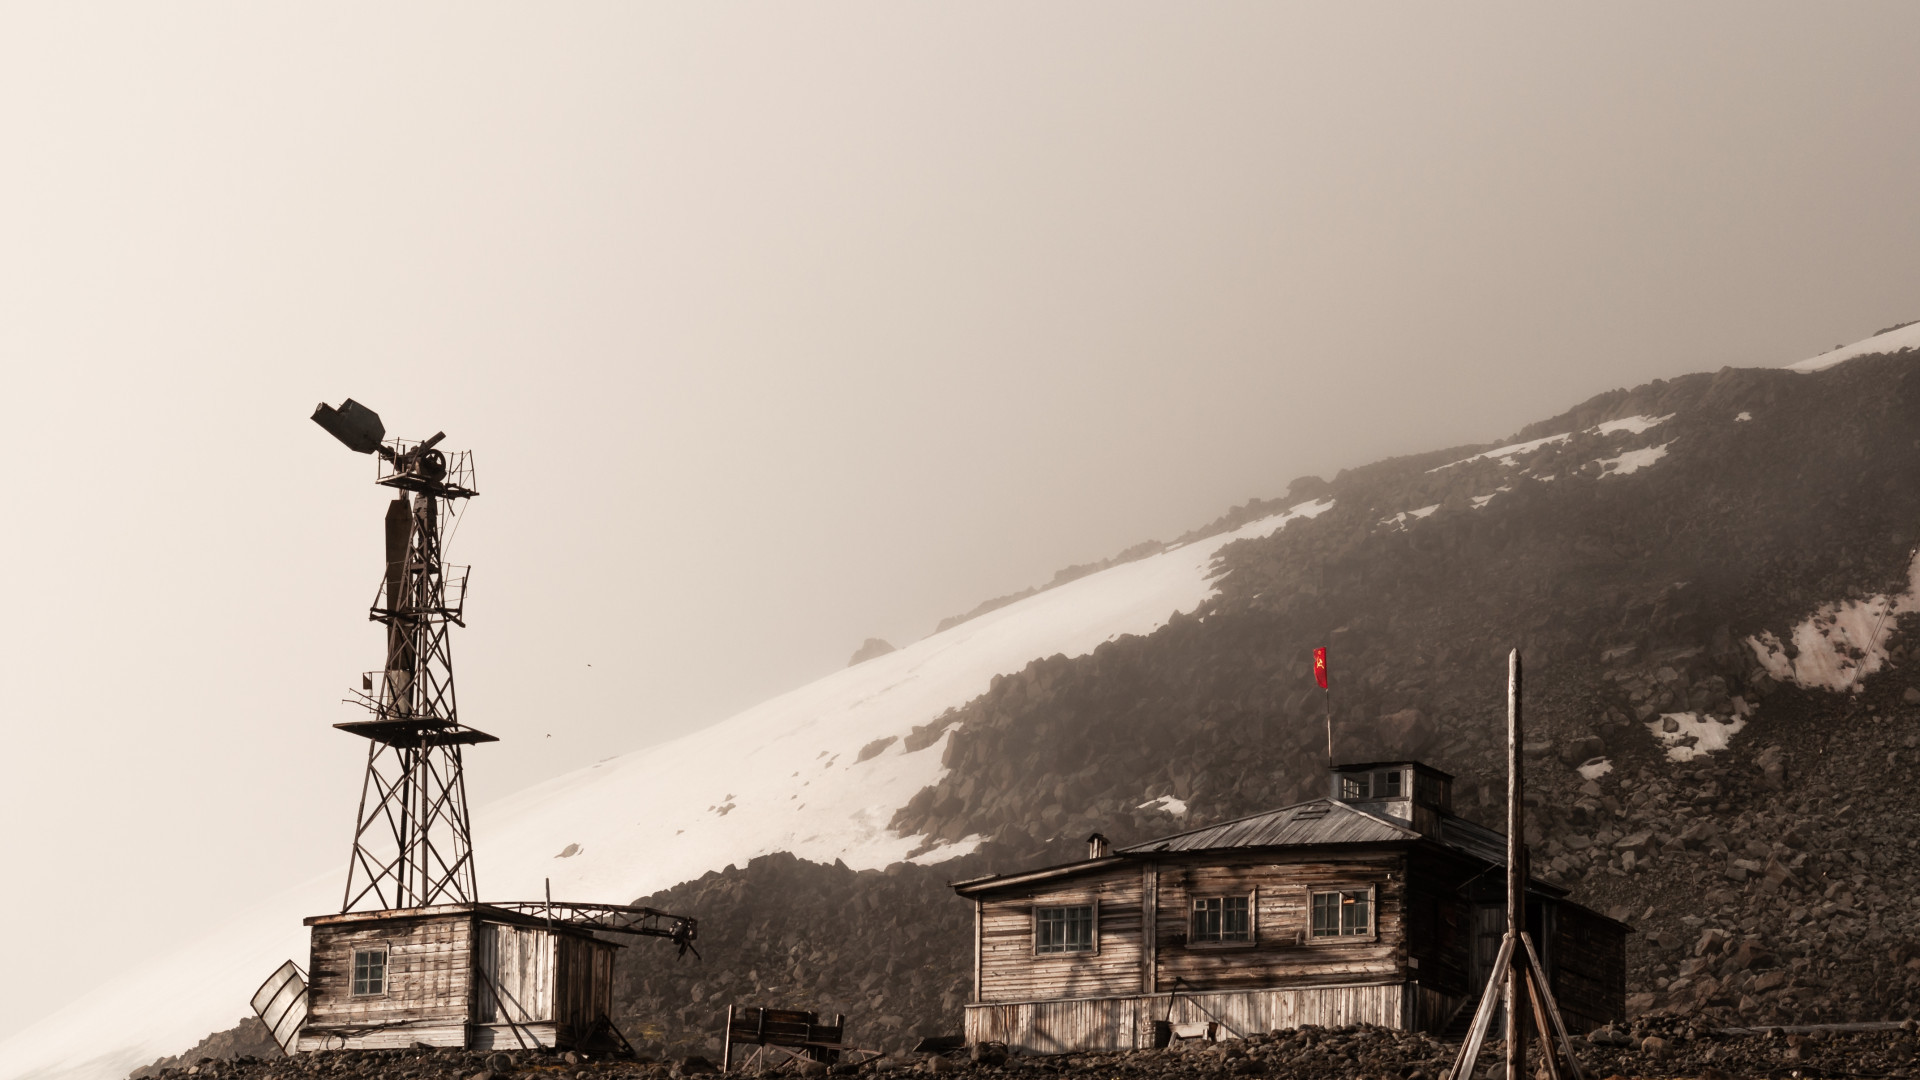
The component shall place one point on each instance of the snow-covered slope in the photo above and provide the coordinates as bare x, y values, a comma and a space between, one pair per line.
1891, 341
783, 776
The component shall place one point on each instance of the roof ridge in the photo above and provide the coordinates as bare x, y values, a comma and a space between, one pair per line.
1351, 809
1145, 844
1148, 847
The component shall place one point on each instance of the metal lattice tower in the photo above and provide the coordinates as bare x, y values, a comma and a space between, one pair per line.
412, 840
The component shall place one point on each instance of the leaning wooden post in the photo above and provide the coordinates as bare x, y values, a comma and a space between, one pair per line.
726, 1044
1516, 876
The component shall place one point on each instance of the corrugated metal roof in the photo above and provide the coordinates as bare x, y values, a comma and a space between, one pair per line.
1322, 821
1476, 840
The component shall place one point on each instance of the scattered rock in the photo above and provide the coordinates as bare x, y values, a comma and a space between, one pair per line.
871, 648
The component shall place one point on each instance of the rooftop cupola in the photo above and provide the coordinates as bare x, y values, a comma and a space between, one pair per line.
1404, 792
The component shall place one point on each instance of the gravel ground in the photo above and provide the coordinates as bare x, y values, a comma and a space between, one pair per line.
1661, 1047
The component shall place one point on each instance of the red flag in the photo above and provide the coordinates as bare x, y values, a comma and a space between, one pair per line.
1320, 667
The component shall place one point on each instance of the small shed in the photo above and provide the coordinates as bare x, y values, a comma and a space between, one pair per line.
1374, 904
477, 976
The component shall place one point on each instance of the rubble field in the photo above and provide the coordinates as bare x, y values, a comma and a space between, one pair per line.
1664, 1047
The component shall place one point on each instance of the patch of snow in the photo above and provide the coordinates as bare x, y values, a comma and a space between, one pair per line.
1507, 454
639, 822
1899, 339
1708, 734
1633, 460
947, 851
1171, 805
1405, 516
1743, 417
1595, 769
1638, 425
1825, 642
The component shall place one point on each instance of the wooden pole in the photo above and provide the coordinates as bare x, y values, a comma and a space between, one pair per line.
726, 1044
1516, 991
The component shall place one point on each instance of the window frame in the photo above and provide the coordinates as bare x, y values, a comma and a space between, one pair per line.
1373, 915
354, 980
1061, 903
1251, 896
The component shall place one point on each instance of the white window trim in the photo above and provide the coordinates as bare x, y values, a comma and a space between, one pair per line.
1253, 921
1373, 916
1033, 926
386, 971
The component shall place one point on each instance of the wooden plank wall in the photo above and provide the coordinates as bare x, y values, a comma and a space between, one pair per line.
1126, 1023
1009, 970
1283, 953
1439, 929
1247, 1012
512, 1037
428, 984
518, 961
584, 990
553, 986
1588, 959
1432, 1010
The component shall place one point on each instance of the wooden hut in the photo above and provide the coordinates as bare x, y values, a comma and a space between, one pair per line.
479, 976
1372, 905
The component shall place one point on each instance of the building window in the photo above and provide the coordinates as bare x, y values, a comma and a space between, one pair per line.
369, 972
1222, 918
1348, 913
1063, 929
1386, 784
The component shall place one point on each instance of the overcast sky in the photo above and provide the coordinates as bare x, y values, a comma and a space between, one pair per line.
775, 327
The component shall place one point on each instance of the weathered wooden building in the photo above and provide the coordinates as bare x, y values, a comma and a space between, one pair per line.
478, 976
1373, 905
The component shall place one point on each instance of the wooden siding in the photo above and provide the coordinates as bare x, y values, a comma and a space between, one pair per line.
1432, 1010
1283, 952
516, 969
538, 986
1009, 969
584, 988
1588, 958
1439, 928
1126, 1022
427, 984
514, 1036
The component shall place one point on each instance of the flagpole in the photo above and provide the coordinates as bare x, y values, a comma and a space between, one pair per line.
1327, 692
